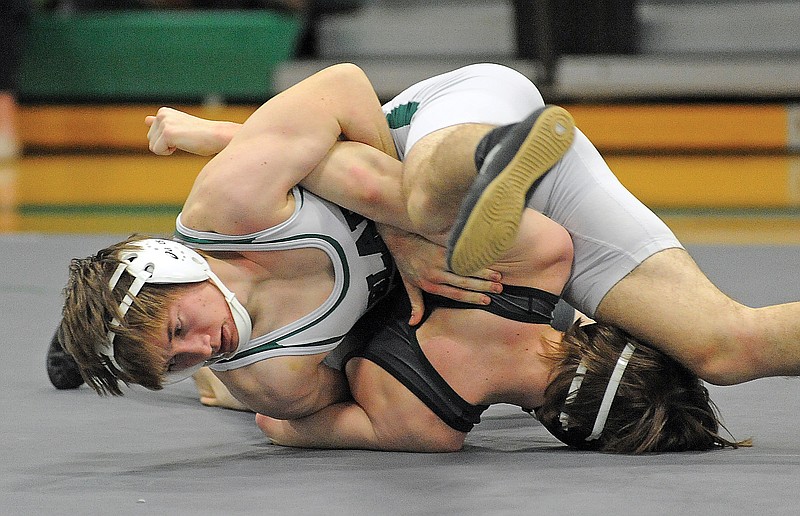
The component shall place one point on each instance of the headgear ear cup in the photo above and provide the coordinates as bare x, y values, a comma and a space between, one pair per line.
163, 261
582, 436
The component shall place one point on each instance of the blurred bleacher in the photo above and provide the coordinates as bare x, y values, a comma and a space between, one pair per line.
702, 118
698, 49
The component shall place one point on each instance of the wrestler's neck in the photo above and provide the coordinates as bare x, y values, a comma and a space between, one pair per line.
527, 388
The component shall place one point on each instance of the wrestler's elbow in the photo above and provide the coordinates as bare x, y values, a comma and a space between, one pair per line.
278, 431
439, 444
420, 432
365, 185
376, 188
448, 445
347, 70
420, 443
342, 77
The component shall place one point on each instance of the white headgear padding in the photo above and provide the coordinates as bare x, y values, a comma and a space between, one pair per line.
608, 396
162, 261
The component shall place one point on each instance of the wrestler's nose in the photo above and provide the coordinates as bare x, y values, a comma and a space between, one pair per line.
192, 350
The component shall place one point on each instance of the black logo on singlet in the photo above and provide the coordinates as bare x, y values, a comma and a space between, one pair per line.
370, 243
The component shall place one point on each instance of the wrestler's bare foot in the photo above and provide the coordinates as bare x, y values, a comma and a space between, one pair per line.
489, 217
213, 392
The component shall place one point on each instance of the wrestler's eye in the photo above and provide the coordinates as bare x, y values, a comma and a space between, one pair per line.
175, 331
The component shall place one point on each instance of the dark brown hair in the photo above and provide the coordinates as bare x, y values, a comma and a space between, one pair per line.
659, 406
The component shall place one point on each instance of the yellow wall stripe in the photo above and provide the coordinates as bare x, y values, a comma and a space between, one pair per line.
637, 127
684, 126
727, 181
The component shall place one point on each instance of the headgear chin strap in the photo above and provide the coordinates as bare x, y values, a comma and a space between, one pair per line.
165, 261
608, 397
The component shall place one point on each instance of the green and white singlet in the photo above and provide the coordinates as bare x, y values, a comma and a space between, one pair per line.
363, 273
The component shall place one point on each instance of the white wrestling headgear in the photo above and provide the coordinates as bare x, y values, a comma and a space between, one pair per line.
166, 261
608, 396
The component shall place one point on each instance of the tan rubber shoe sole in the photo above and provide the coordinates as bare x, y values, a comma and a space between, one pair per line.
494, 219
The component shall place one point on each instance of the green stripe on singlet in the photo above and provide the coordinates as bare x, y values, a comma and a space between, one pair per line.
276, 343
401, 115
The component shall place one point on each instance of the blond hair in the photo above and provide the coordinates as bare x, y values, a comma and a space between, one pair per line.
89, 307
659, 405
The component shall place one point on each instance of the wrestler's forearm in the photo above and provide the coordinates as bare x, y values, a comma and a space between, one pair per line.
364, 180
347, 426
343, 425
224, 132
217, 135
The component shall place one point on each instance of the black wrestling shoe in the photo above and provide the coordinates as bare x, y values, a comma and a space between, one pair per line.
488, 220
62, 369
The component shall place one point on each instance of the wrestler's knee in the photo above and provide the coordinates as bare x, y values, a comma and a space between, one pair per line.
670, 303
732, 352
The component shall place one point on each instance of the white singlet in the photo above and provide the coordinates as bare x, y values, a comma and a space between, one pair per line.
363, 272
612, 231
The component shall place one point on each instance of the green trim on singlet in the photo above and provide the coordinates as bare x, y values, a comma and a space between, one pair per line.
249, 240
269, 346
274, 344
208, 241
401, 115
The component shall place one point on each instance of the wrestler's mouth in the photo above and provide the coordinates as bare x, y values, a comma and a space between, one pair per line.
222, 346
226, 343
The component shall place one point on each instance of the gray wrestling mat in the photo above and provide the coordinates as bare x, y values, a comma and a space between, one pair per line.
70, 452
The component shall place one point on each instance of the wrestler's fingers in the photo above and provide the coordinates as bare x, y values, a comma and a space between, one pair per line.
488, 274
209, 401
150, 122
264, 423
269, 426
473, 283
155, 137
465, 296
159, 145
226, 402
